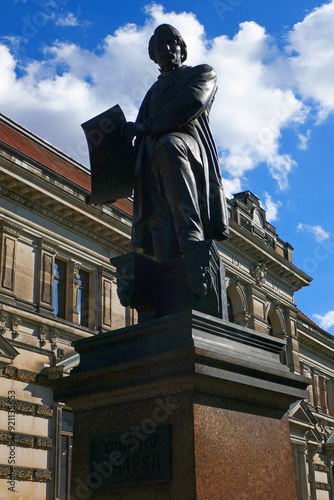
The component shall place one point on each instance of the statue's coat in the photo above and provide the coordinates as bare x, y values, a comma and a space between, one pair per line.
179, 103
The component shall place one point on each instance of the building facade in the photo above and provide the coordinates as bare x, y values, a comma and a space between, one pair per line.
57, 285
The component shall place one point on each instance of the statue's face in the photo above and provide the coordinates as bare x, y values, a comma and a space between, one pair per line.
167, 51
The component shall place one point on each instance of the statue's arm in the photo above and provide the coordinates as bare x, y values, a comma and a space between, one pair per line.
190, 102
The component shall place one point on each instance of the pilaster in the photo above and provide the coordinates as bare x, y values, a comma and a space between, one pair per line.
9, 236
47, 254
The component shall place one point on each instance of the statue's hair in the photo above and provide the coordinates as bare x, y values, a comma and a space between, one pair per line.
175, 33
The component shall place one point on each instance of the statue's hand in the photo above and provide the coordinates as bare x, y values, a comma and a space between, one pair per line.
131, 130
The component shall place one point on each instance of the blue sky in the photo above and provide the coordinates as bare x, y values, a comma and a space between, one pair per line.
64, 61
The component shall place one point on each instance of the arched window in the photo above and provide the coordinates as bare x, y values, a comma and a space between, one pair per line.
258, 219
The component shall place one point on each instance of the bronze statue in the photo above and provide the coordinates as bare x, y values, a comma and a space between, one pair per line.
179, 198
173, 167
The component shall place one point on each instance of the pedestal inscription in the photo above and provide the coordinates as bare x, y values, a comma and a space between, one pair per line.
131, 456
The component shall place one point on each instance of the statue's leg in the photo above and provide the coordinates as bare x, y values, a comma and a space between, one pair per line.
175, 163
161, 226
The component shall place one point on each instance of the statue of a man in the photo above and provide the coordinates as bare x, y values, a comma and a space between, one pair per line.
179, 198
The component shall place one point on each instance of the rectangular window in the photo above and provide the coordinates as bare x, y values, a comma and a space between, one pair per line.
59, 289
83, 298
66, 454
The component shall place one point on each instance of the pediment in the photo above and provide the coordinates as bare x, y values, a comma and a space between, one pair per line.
301, 415
300, 411
7, 352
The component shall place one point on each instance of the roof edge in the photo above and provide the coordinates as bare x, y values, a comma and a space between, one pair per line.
43, 142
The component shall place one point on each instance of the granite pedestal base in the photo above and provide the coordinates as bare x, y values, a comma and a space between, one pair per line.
181, 408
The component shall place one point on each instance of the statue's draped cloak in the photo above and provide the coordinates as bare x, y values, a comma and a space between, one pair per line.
179, 103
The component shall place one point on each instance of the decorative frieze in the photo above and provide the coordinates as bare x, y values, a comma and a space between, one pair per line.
33, 348
25, 440
322, 486
62, 340
27, 408
61, 220
44, 411
42, 475
16, 439
25, 473
321, 468
43, 443
24, 375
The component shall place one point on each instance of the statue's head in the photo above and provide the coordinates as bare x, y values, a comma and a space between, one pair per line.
165, 34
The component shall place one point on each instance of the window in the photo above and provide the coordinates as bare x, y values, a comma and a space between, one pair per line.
66, 454
59, 289
83, 298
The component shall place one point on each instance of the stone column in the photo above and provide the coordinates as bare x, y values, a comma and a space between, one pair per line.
299, 454
311, 451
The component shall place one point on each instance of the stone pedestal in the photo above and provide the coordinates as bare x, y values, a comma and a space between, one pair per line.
181, 408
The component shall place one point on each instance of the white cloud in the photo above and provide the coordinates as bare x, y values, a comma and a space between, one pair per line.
231, 187
250, 110
271, 208
67, 20
13, 41
303, 140
326, 321
317, 231
311, 45
254, 104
